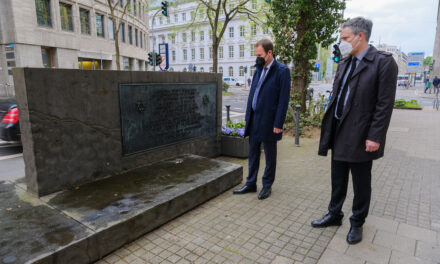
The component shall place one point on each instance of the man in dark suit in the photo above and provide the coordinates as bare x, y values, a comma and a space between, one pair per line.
265, 114
356, 122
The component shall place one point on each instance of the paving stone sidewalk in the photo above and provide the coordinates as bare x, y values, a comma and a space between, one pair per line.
402, 227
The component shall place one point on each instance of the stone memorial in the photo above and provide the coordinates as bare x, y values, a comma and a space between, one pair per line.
109, 156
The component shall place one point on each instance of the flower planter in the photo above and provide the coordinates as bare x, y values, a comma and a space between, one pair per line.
235, 146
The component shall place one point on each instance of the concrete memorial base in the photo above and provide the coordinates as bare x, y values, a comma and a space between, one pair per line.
86, 223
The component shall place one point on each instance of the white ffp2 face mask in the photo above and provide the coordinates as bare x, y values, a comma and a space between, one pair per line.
345, 47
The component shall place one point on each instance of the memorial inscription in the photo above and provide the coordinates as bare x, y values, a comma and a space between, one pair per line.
154, 115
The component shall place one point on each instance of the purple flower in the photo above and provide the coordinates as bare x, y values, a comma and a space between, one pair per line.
228, 131
240, 131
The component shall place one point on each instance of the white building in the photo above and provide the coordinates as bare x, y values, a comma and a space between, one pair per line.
399, 56
436, 52
190, 44
76, 34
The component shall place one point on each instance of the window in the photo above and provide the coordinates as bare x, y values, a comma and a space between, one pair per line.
168, 20
193, 54
241, 51
202, 53
185, 55
46, 54
220, 69
176, 18
254, 30
211, 69
220, 52
43, 13
100, 25
173, 39
202, 69
140, 38
136, 36
231, 51
122, 32
193, 36
210, 53
111, 33
252, 49
242, 32
153, 22
160, 20
84, 17
173, 55
202, 36
130, 35
183, 17
231, 32
192, 15
241, 71
126, 63
252, 70
66, 17
210, 35
231, 71
254, 4
121, 3
184, 36
135, 8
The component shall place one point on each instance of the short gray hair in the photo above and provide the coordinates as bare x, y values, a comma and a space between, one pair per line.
358, 25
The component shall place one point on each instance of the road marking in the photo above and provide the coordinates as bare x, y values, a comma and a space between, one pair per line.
11, 156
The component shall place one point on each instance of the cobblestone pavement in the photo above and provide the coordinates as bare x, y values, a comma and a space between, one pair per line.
401, 228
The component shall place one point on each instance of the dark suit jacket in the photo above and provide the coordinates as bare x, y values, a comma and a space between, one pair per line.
272, 103
367, 113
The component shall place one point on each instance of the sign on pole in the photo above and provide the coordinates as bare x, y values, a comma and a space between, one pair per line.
163, 51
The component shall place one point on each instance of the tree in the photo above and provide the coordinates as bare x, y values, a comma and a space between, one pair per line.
298, 27
220, 12
427, 61
118, 10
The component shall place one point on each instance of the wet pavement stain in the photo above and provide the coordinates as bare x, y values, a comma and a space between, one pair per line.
111, 199
29, 229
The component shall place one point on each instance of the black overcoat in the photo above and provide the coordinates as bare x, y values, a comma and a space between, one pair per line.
367, 113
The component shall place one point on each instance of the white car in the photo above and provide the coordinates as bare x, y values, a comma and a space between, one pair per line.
233, 81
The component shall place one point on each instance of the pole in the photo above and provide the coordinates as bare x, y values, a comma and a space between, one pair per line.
298, 107
228, 118
152, 35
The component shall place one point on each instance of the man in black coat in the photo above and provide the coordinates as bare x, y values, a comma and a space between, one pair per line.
356, 122
265, 115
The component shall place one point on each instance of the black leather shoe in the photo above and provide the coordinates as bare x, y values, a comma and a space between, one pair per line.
328, 220
354, 236
265, 193
245, 189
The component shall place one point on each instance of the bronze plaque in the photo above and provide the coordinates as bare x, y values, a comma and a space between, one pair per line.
155, 115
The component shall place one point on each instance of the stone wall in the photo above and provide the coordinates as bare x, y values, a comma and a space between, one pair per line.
71, 125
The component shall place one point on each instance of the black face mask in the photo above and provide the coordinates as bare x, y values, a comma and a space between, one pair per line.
260, 61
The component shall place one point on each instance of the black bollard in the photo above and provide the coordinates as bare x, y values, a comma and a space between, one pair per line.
228, 118
298, 107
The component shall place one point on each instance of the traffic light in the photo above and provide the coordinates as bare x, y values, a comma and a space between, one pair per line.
150, 58
337, 56
158, 59
245, 69
194, 69
165, 8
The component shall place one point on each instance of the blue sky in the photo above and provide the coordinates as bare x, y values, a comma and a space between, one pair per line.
408, 24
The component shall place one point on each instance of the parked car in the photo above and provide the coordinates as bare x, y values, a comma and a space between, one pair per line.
9, 125
402, 80
233, 81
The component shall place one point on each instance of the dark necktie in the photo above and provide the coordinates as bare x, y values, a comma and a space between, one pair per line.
341, 102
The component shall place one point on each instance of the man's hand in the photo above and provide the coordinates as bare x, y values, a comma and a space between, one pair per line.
371, 146
277, 130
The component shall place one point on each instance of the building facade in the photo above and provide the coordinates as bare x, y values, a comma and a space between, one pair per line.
436, 52
190, 41
75, 34
399, 56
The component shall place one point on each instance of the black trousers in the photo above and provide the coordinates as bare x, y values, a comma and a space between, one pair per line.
270, 151
361, 176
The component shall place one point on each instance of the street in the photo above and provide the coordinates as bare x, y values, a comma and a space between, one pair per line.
11, 157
